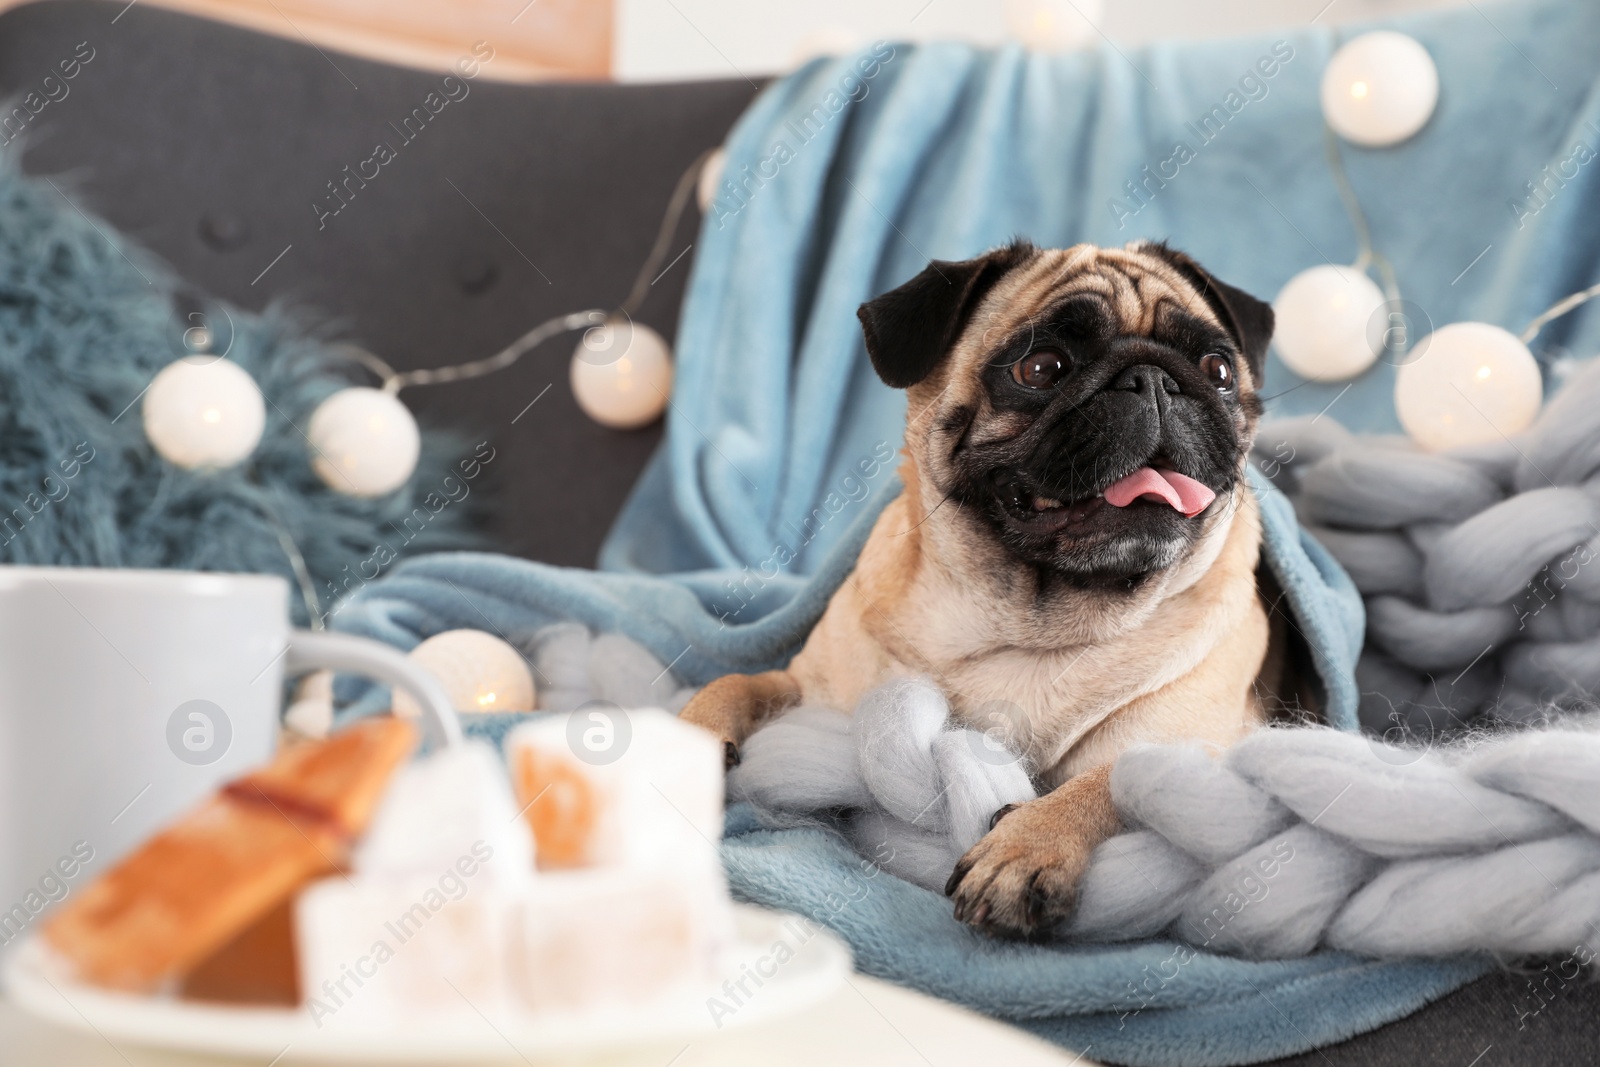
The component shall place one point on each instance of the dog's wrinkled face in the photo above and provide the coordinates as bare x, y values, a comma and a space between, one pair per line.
1089, 409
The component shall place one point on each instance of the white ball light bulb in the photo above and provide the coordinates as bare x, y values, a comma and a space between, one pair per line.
204, 412
622, 375
310, 714
1322, 323
364, 442
480, 672
1468, 383
1052, 25
705, 187
827, 40
1379, 88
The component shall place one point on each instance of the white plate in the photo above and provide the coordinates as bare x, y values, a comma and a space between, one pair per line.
35, 981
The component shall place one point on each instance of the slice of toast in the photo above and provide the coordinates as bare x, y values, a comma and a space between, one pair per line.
338, 780
200, 883
188, 891
257, 967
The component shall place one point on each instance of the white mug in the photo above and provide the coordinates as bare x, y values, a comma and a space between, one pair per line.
127, 696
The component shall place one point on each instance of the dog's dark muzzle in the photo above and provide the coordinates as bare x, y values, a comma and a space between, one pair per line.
1153, 387
1138, 414
1147, 380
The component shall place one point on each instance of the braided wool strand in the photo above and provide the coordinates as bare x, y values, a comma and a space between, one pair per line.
1295, 838
1478, 565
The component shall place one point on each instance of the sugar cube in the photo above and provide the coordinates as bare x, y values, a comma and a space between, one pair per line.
603, 786
454, 803
616, 936
373, 948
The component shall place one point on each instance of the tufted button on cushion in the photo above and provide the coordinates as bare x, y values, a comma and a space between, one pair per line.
223, 232
475, 273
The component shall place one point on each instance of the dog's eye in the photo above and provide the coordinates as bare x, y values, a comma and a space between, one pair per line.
1218, 371
1039, 370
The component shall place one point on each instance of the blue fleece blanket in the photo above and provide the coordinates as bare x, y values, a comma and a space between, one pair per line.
947, 151
1155, 1003
779, 441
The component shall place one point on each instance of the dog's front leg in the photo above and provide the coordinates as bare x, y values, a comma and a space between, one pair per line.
1022, 878
735, 704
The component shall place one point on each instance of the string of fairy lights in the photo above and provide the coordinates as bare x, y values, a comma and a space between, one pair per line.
1463, 384
204, 412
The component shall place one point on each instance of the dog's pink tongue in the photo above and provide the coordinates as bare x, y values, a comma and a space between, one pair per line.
1182, 492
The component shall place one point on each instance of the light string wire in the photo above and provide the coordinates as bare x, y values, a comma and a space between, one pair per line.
1367, 255
302, 573
393, 380
1556, 310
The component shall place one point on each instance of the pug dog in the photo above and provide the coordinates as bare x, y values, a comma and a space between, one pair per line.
1075, 543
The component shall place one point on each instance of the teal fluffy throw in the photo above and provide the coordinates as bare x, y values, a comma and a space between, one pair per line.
86, 320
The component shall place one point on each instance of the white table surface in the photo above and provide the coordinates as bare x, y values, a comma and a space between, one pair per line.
867, 1022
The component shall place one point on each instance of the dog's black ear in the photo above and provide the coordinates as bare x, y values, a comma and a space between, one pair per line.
1249, 320
909, 330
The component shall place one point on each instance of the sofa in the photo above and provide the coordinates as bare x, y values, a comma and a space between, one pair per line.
228, 154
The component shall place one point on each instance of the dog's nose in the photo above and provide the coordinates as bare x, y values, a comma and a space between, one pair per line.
1145, 378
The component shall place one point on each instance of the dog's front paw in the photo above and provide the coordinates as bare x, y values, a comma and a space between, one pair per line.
1022, 878
732, 707
716, 725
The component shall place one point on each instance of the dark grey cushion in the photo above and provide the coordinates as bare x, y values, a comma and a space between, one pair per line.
1545, 1014
211, 144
